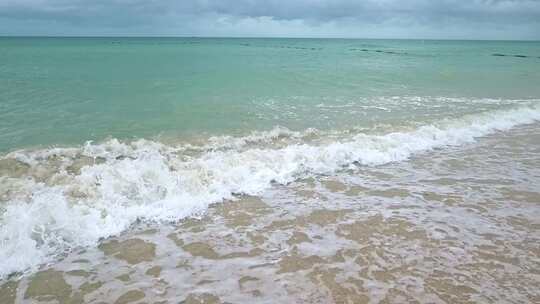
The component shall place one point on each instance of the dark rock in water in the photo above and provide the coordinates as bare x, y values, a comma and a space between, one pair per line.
379, 51
122, 157
504, 55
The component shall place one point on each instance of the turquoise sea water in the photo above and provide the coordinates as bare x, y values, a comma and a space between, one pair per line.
61, 91
99, 135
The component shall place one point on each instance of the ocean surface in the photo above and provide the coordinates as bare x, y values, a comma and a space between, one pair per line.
269, 170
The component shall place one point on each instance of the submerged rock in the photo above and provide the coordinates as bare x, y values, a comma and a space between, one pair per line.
133, 251
48, 285
8, 292
13, 168
130, 296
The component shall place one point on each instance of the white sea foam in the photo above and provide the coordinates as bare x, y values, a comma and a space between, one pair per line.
49, 209
255, 138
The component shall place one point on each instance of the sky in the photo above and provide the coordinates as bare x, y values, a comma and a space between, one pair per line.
423, 19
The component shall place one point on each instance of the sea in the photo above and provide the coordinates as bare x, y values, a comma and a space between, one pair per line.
235, 170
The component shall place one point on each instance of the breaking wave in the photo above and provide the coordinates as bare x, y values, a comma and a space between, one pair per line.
54, 200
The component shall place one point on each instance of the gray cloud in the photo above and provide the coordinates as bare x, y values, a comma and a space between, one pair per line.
505, 19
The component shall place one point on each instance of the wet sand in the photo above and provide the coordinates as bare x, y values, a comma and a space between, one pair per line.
459, 225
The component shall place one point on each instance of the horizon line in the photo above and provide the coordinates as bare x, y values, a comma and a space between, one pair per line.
258, 37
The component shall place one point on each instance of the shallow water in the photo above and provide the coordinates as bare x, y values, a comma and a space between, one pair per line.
65, 91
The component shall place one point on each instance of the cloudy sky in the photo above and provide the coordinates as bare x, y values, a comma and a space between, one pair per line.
447, 19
